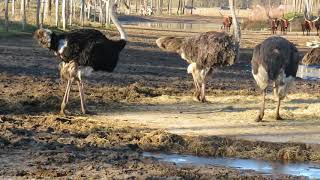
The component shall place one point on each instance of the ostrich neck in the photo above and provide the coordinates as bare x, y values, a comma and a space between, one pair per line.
114, 19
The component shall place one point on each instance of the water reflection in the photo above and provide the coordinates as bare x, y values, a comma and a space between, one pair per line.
175, 25
309, 72
297, 169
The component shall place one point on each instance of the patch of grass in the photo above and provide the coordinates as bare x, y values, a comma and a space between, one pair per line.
15, 29
291, 15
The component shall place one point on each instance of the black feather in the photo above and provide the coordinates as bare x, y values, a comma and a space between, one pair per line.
87, 47
274, 54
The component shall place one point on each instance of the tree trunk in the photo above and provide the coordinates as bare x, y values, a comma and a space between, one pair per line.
57, 13
42, 13
89, 11
101, 12
183, 6
23, 14
6, 15
191, 11
70, 11
49, 7
12, 8
170, 7
108, 20
46, 8
64, 14
82, 13
38, 13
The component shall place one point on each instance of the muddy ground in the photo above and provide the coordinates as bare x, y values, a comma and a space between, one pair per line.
36, 142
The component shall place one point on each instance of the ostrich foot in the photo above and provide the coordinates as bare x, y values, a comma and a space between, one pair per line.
203, 99
259, 118
198, 96
62, 112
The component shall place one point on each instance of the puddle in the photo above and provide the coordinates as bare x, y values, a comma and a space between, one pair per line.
297, 169
175, 25
309, 72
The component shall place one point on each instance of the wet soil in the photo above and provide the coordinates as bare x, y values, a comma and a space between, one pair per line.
81, 148
36, 142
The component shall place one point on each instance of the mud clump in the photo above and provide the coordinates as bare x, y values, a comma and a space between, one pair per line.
161, 141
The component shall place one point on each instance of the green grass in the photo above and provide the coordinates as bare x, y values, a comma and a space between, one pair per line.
293, 15
15, 29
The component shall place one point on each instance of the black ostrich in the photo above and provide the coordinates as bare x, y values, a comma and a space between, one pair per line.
82, 51
204, 52
275, 60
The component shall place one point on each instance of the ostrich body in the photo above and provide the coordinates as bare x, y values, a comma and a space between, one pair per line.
274, 60
82, 51
204, 52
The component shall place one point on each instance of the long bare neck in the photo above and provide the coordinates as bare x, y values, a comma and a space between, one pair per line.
114, 19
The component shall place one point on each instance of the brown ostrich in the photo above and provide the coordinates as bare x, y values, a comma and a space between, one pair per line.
205, 51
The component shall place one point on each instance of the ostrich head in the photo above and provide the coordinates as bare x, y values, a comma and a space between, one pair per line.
171, 44
44, 37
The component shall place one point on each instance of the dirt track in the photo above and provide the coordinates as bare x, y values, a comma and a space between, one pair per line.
147, 81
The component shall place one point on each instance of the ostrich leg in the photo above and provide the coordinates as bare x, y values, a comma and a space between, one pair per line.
261, 113
278, 117
81, 93
197, 92
66, 97
203, 88
83, 105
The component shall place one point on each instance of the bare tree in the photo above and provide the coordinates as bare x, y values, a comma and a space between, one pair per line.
70, 11
42, 13
108, 18
64, 14
6, 15
38, 13
57, 13
192, 2
82, 13
23, 14
169, 7
12, 8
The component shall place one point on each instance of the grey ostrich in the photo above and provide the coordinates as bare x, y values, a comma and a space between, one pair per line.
274, 60
205, 51
82, 51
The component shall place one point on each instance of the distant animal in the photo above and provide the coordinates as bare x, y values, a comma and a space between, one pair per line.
306, 26
274, 25
284, 24
274, 60
227, 22
82, 51
204, 52
317, 25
